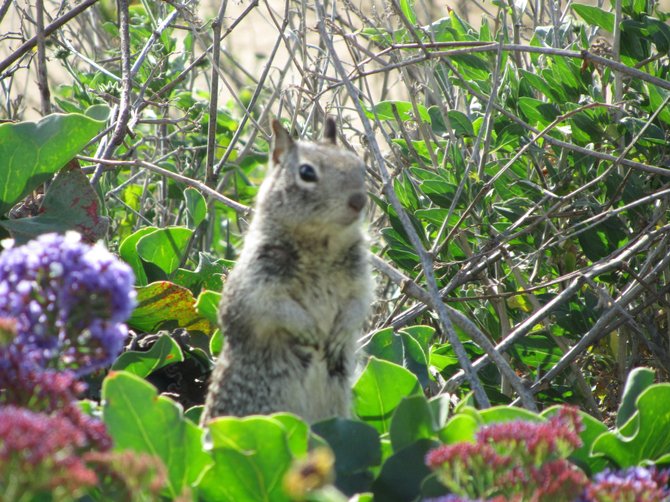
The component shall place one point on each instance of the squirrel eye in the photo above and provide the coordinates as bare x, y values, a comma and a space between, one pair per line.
307, 173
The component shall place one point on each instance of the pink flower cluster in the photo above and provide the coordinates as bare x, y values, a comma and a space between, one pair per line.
516, 460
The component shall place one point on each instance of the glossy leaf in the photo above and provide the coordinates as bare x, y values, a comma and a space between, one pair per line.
165, 247
142, 363
645, 436
639, 379
196, 205
32, 152
251, 456
412, 420
128, 251
140, 420
595, 16
207, 305
380, 389
356, 447
403, 473
164, 305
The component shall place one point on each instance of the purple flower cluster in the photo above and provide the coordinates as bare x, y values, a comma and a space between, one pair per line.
629, 485
516, 460
69, 301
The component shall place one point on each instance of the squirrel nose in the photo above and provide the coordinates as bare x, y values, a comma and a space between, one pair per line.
357, 201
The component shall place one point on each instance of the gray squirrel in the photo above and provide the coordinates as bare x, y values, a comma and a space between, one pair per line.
295, 303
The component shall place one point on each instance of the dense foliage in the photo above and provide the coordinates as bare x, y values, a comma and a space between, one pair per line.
518, 169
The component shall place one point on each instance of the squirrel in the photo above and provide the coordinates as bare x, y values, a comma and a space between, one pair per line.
295, 303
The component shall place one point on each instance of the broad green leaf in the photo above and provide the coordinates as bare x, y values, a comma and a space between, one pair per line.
403, 473
164, 305
165, 247
379, 390
384, 111
128, 251
595, 16
251, 456
196, 206
207, 305
461, 427
140, 420
638, 380
498, 414
142, 363
31, 152
645, 436
356, 447
297, 432
401, 349
69, 204
411, 421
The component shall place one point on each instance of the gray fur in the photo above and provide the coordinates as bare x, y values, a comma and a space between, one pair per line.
295, 303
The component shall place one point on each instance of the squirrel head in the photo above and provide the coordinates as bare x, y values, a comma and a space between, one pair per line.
312, 187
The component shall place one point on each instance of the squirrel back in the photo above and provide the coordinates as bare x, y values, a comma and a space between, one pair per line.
295, 303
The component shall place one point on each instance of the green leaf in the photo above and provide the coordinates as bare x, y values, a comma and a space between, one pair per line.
69, 204
379, 390
461, 427
401, 349
644, 438
164, 305
216, 343
593, 428
356, 447
411, 421
196, 206
251, 456
142, 363
32, 152
460, 123
384, 111
140, 420
595, 16
128, 251
165, 247
403, 473
538, 112
407, 8
498, 414
638, 380
207, 305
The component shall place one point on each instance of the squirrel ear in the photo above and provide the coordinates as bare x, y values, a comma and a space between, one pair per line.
330, 130
281, 141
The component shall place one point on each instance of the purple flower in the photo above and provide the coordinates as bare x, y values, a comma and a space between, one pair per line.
629, 485
69, 300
